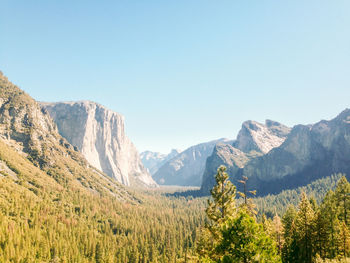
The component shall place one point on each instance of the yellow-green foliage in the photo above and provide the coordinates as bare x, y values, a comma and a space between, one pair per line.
41, 221
342, 260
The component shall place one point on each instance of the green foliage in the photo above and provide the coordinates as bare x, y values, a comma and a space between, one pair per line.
72, 224
315, 233
223, 194
233, 235
279, 203
248, 203
244, 240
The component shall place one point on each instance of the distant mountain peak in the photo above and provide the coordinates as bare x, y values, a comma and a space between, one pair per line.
153, 160
255, 136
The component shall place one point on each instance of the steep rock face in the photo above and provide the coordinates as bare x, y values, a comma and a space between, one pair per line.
27, 132
99, 135
258, 137
153, 160
186, 168
254, 139
310, 152
223, 154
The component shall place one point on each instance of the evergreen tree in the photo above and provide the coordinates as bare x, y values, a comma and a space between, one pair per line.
244, 240
233, 235
223, 196
304, 223
290, 249
219, 209
342, 195
277, 232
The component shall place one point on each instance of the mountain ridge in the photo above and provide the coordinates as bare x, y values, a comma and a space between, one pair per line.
308, 153
186, 168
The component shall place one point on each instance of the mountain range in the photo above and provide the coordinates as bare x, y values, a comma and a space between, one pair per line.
84, 143
187, 167
274, 157
154, 160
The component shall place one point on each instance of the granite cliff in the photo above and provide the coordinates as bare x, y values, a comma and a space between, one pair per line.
253, 140
38, 156
305, 154
98, 133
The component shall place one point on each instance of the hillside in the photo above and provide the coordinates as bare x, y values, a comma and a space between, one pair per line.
55, 207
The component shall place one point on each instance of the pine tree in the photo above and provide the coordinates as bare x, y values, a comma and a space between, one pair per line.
233, 235
277, 232
327, 227
290, 249
219, 209
304, 223
342, 195
244, 240
223, 195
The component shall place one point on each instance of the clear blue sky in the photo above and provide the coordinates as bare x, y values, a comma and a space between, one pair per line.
186, 71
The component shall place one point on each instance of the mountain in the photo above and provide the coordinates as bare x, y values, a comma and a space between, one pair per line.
253, 140
308, 153
153, 160
186, 168
35, 152
56, 207
98, 133
255, 136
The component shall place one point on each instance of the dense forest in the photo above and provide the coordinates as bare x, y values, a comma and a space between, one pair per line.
39, 224
310, 232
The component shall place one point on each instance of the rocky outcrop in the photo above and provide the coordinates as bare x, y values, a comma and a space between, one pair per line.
255, 136
186, 169
154, 160
98, 133
29, 130
254, 139
309, 152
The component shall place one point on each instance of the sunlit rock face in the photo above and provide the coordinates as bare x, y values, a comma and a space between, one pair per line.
254, 140
284, 158
100, 136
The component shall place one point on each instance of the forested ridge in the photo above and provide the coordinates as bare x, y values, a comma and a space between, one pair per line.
309, 232
41, 221
40, 224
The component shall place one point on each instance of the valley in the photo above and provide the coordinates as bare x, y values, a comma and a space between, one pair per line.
73, 187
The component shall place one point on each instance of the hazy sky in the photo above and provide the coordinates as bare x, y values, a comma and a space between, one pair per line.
186, 71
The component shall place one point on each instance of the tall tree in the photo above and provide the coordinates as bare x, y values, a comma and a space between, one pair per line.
304, 223
223, 197
290, 249
244, 240
220, 208
247, 201
233, 235
342, 195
